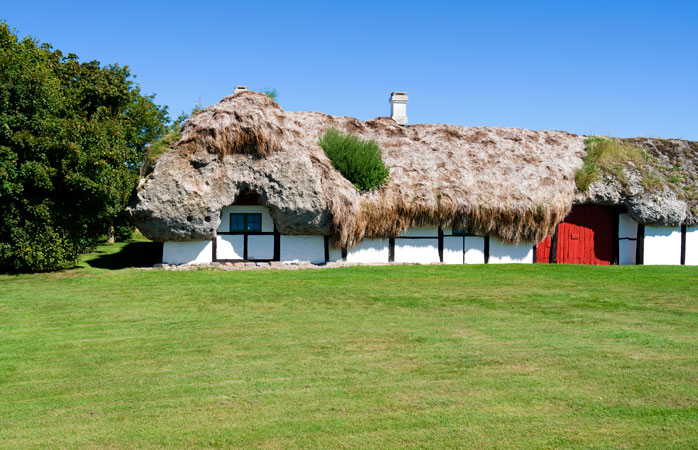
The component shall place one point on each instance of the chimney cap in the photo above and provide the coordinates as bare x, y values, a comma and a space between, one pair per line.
398, 96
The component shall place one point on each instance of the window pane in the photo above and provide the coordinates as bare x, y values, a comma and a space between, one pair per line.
254, 222
462, 232
237, 222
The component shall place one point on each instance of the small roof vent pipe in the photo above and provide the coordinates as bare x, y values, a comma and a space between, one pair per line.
239, 89
398, 107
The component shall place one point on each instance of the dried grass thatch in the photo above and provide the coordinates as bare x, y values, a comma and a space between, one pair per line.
511, 183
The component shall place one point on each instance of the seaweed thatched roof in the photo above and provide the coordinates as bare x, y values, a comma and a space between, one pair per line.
510, 183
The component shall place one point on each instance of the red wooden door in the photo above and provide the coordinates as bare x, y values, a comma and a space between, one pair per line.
586, 236
543, 251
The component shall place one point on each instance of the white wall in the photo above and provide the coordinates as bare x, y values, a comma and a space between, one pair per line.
453, 249
662, 245
302, 249
474, 249
627, 250
369, 251
423, 251
230, 246
189, 252
501, 253
267, 221
692, 246
627, 228
260, 246
335, 253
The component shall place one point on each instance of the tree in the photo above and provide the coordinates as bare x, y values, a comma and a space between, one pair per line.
72, 138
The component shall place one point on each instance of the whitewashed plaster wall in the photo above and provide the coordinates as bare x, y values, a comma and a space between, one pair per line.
422, 251
474, 249
662, 246
261, 247
189, 252
691, 246
627, 228
369, 251
425, 250
267, 221
335, 254
230, 246
302, 249
501, 253
453, 249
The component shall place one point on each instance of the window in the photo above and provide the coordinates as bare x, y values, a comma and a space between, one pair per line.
245, 222
460, 231
457, 231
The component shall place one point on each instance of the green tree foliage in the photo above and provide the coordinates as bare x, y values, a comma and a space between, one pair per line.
358, 160
72, 138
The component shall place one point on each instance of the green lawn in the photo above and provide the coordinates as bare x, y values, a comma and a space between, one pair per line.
525, 356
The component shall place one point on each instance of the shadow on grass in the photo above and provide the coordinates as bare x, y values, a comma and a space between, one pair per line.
132, 254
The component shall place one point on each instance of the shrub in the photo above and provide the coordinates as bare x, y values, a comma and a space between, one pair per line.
157, 148
172, 135
586, 176
271, 93
358, 160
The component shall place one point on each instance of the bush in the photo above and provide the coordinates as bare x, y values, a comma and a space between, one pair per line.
358, 160
271, 93
157, 148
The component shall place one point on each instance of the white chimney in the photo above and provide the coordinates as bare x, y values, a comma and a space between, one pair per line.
398, 107
239, 89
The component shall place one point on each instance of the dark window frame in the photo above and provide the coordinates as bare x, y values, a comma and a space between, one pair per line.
465, 232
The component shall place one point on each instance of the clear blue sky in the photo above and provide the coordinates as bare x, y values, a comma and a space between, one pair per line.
614, 68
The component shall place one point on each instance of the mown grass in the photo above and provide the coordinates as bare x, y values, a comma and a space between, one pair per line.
434, 356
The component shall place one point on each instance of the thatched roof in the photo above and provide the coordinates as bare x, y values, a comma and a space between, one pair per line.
511, 183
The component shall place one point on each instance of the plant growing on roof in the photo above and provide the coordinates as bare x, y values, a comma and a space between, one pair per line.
172, 135
607, 157
357, 159
271, 93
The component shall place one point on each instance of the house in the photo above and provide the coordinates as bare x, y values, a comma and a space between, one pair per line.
248, 182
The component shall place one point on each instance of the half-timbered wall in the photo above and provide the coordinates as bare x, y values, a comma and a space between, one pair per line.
502, 253
662, 245
474, 248
302, 249
418, 245
423, 245
188, 252
627, 239
691, 246
370, 251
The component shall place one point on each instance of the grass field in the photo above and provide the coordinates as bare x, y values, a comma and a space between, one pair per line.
525, 356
